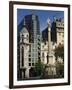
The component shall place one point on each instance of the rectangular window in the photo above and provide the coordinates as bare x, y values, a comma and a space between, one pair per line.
22, 56
32, 64
29, 59
59, 33
29, 64
29, 55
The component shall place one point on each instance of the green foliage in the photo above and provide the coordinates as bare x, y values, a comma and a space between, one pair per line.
60, 69
39, 66
59, 52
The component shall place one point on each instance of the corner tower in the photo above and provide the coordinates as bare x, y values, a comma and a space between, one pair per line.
24, 52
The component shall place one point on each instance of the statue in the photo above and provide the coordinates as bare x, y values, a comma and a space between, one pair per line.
49, 22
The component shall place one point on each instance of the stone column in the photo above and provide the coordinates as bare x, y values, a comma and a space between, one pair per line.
49, 36
27, 73
49, 48
49, 39
22, 75
51, 66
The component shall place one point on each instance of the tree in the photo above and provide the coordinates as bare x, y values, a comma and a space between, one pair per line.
60, 69
59, 52
39, 66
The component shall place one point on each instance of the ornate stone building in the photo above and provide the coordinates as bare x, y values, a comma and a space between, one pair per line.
24, 52
60, 31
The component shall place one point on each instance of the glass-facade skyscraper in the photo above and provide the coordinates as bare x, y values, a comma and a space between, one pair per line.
32, 24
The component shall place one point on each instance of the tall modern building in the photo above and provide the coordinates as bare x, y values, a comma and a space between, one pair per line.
35, 39
34, 44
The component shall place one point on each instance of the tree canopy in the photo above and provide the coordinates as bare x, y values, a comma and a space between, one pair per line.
38, 68
59, 51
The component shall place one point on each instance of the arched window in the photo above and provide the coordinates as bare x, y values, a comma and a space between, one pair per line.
22, 56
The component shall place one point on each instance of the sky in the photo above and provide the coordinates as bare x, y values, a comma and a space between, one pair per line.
43, 15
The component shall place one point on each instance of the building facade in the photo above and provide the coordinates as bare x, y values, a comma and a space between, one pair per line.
35, 39
60, 31
33, 47
24, 52
29, 45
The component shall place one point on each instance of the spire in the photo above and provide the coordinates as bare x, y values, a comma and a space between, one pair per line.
24, 29
24, 24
